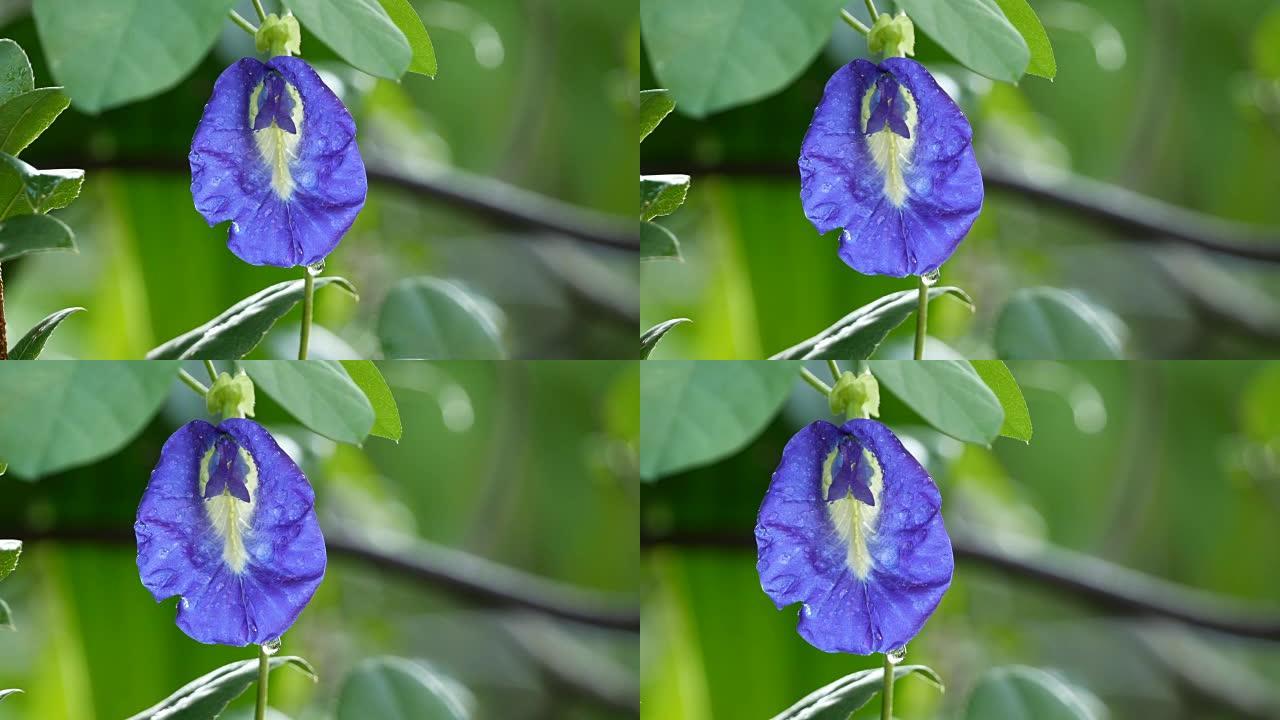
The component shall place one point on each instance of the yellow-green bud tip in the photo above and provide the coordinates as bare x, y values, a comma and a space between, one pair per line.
279, 35
231, 397
856, 396
892, 36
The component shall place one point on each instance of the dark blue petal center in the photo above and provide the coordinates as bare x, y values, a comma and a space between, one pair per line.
227, 470
851, 473
275, 104
888, 108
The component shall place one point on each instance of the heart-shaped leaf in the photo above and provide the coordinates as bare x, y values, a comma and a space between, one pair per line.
32, 344
858, 335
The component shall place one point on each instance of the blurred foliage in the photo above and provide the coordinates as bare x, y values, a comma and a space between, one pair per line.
532, 465
1177, 99
1172, 469
535, 93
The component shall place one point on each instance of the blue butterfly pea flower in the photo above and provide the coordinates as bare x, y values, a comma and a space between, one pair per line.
276, 154
227, 523
889, 160
851, 527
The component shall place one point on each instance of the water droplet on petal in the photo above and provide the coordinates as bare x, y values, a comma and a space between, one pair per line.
931, 278
896, 656
316, 268
271, 647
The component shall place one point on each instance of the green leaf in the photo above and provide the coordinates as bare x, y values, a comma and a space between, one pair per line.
237, 330
26, 234
858, 335
359, 31
1022, 17
658, 243
654, 106
206, 697
1046, 323
976, 33
32, 344
6, 693
25, 117
368, 378
319, 393
429, 318
24, 190
947, 394
662, 194
6, 616
1017, 418
406, 18
1025, 693
842, 698
692, 413
62, 414
15, 71
390, 688
111, 52
716, 54
10, 551
649, 340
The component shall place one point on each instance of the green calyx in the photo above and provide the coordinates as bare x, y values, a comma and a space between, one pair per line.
892, 36
279, 35
855, 396
231, 397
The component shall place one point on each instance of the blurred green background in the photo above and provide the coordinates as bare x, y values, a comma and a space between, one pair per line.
535, 94
1172, 469
531, 465
1176, 99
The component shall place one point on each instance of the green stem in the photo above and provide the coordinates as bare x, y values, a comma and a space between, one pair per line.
871, 9
245, 25
922, 317
262, 14
815, 382
854, 22
835, 370
213, 371
264, 669
192, 383
886, 695
308, 308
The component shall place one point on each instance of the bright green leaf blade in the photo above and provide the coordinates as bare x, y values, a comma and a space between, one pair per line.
206, 697
406, 18
976, 33
429, 318
319, 393
111, 52
10, 551
15, 71
649, 339
359, 31
717, 54
62, 414
34, 233
840, 699
1017, 418
24, 190
25, 117
859, 334
6, 616
1051, 324
662, 194
32, 344
392, 688
368, 378
237, 330
1022, 17
654, 106
658, 243
947, 394
693, 413
6, 693
1025, 693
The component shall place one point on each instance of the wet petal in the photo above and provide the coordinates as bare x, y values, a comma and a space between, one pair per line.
275, 153
888, 159
868, 576
243, 570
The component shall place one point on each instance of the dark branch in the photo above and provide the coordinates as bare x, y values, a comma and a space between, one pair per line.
472, 578
1102, 584
1134, 217
503, 204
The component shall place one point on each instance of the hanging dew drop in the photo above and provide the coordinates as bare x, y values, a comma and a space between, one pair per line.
931, 278
316, 268
896, 656
271, 647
